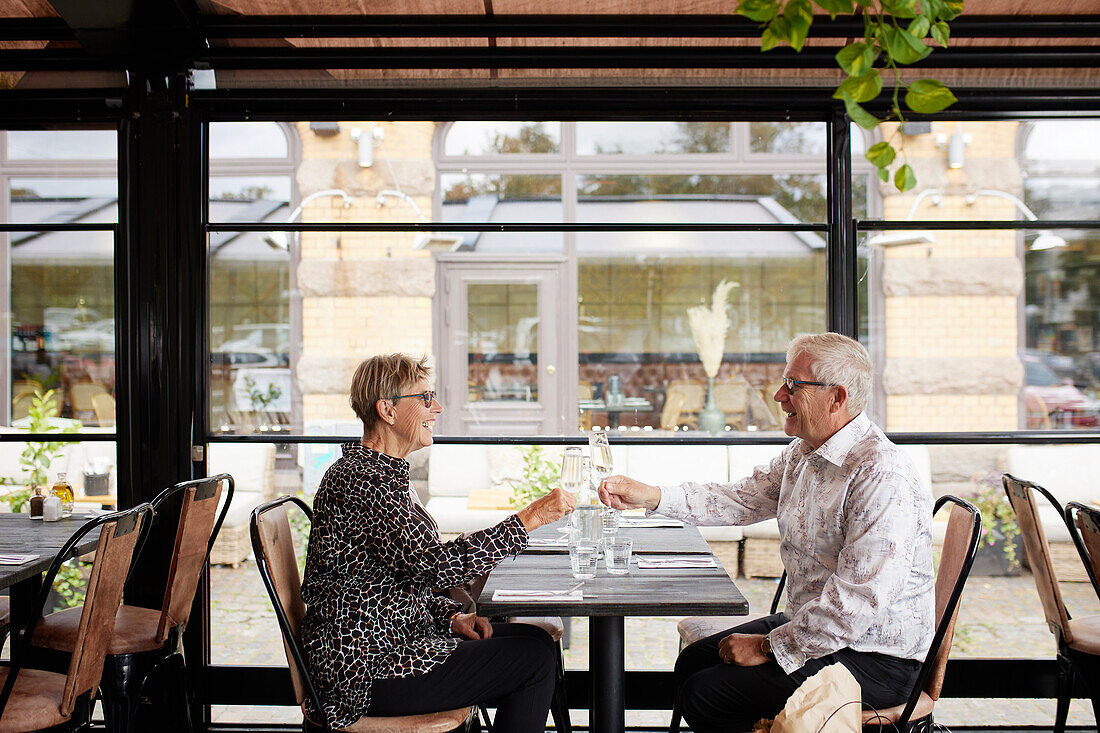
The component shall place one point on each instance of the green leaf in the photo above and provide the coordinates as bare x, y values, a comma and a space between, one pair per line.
860, 88
883, 175
778, 31
928, 96
881, 154
832, 7
919, 27
860, 116
900, 8
799, 15
759, 10
941, 32
903, 47
856, 58
904, 178
949, 9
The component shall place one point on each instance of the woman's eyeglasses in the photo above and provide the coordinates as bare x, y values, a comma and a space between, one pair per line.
792, 383
426, 396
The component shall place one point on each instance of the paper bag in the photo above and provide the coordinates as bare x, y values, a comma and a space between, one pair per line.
831, 692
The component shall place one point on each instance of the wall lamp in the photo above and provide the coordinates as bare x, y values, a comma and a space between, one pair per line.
365, 140
1045, 239
279, 239
956, 146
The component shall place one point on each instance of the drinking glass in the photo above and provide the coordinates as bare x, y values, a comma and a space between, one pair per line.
600, 450
616, 553
609, 518
572, 469
583, 557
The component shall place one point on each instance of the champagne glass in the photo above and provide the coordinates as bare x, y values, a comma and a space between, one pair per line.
572, 469
602, 461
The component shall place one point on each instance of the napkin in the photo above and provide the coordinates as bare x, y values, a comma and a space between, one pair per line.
649, 522
547, 542
654, 563
537, 595
16, 559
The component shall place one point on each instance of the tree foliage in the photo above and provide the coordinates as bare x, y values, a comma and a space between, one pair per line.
895, 33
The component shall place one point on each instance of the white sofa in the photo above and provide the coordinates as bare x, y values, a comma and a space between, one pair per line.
1067, 471
252, 466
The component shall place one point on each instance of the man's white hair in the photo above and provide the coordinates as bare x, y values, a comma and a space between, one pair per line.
837, 359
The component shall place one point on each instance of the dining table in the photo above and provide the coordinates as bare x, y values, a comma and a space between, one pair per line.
683, 578
21, 535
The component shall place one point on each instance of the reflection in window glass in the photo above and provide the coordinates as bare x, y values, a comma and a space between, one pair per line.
702, 197
246, 189
787, 138
502, 327
474, 189
644, 138
64, 200
502, 138
247, 140
62, 145
1065, 140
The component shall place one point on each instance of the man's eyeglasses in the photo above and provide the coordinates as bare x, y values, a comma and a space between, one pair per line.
792, 383
426, 396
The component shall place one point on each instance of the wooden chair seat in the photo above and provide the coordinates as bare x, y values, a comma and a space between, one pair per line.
890, 716
1086, 634
135, 630
550, 624
33, 704
441, 722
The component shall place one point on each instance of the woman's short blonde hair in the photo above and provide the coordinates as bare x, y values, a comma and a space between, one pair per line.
381, 378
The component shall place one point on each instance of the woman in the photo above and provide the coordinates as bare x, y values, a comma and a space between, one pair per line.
377, 639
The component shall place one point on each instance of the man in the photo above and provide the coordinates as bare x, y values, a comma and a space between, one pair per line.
856, 543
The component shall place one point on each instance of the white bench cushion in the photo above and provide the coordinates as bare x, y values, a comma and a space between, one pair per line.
1066, 471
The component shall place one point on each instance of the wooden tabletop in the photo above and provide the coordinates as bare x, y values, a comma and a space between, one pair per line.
661, 592
19, 534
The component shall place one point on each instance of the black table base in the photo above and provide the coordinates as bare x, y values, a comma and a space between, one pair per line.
608, 664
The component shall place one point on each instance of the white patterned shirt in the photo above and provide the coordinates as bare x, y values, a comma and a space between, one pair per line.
856, 541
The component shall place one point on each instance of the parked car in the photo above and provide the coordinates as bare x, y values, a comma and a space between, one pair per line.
1053, 402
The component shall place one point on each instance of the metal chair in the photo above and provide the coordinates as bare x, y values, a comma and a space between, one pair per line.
960, 545
1078, 638
146, 640
34, 699
5, 620
278, 565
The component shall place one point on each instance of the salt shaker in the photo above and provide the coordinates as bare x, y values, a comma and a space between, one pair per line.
51, 508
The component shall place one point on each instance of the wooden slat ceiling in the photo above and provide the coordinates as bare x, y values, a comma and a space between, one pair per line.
766, 73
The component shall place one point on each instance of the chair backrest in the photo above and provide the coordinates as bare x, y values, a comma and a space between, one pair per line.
732, 396
119, 534
670, 413
1084, 523
273, 546
82, 393
1021, 496
693, 392
960, 545
198, 526
103, 404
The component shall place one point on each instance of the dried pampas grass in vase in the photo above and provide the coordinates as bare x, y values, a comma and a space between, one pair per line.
708, 327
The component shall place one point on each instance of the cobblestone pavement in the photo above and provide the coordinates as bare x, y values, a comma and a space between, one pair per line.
999, 617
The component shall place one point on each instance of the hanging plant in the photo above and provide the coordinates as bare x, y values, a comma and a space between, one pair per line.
894, 33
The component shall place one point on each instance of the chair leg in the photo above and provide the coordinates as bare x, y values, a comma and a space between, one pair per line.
674, 724
183, 699
121, 688
1065, 693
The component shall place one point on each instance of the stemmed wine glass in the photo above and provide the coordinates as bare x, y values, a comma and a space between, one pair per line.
572, 469
602, 463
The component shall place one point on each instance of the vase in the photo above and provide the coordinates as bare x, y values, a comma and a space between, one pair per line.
711, 419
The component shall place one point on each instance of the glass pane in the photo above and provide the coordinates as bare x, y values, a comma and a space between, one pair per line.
64, 200
701, 198
1065, 196
966, 352
1065, 140
647, 138
89, 468
502, 138
230, 194
636, 334
787, 138
502, 328
247, 140
63, 145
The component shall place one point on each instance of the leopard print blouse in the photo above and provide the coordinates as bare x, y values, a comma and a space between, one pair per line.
374, 556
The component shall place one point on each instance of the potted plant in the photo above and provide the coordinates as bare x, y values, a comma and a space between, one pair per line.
999, 549
539, 476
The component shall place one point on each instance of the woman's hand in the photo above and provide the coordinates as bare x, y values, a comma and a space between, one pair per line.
620, 492
547, 509
471, 626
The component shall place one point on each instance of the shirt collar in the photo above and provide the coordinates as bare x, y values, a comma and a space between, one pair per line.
837, 448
